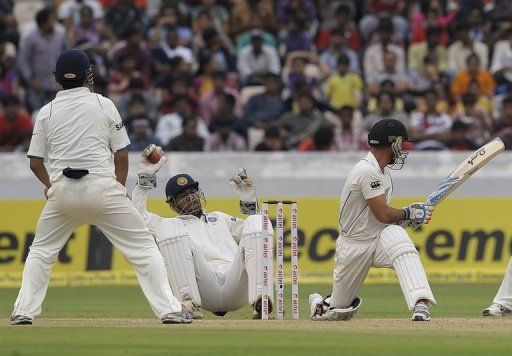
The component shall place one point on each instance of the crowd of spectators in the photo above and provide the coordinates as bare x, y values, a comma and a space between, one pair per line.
263, 75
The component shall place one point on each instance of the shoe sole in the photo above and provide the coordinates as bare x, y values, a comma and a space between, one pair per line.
487, 313
420, 318
23, 322
177, 321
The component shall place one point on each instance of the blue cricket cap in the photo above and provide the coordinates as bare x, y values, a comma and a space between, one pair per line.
72, 66
178, 183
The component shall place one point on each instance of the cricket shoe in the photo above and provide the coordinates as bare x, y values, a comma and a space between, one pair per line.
496, 310
322, 311
257, 306
181, 317
21, 320
420, 312
194, 309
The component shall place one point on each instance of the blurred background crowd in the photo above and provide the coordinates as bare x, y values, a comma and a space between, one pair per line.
263, 75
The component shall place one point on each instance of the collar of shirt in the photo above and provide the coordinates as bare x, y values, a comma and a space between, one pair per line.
373, 161
73, 92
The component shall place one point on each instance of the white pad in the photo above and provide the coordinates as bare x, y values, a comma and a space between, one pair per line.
406, 261
253, 224
252, 244
179, 262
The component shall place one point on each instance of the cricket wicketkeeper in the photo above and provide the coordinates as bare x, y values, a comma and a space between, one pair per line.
213, 259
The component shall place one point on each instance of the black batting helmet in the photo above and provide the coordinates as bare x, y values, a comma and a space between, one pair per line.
386, 131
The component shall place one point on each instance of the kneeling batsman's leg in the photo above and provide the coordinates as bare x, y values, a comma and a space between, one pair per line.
252, 245
177, 253
402, 254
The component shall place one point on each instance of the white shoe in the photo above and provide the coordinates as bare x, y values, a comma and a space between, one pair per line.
316, 304
181, 317
194, 309
496, 310
420, 312
322, 311
21, 320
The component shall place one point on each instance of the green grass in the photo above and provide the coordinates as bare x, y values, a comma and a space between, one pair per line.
117, 320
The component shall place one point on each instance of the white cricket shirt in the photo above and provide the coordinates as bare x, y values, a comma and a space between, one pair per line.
78, 129
365, 181
215, 236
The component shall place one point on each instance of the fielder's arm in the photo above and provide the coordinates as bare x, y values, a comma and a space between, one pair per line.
139, 200
121, 165
37, 166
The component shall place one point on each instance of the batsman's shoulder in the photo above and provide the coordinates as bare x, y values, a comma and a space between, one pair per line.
365, 168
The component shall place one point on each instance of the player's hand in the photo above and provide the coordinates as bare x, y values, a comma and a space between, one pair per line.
245, 190
243, 186
145, 165
147, 170
418, 213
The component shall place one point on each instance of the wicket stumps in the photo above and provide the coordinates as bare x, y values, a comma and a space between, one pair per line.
268, 260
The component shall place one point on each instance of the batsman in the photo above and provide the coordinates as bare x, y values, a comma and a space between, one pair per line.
212, 259
371, 234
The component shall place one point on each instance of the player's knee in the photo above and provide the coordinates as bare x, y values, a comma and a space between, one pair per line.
46, 256
254, 224
396, 242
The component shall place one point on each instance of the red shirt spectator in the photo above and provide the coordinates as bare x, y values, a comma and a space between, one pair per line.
15, 124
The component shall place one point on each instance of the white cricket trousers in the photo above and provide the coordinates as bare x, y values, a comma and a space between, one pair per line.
192, 277
504, 296
392, 249
99, 201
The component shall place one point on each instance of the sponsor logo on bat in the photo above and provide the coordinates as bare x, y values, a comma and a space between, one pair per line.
480, 152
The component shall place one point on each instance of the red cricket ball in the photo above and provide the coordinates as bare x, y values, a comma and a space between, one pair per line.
154, 157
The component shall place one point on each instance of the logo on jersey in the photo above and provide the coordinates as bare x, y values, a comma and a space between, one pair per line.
212, 219
182, 181
119, 126
375, 184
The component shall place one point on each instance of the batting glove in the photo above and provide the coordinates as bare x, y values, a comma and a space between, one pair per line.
245, 190
418, 213
147, 170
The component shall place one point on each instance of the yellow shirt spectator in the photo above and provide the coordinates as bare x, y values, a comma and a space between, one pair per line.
344, 90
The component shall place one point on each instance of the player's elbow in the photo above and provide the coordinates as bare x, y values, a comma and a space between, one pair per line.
36, 164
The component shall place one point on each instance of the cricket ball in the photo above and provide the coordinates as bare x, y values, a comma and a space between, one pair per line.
154, 157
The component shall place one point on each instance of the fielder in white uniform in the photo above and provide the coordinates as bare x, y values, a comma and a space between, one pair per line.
369, 234
212, 258
502, 303
81, 135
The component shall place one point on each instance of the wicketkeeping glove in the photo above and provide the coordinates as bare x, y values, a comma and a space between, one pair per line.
245, 190
418, 213
147, 170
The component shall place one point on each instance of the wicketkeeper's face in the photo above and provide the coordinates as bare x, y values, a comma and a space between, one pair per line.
188, 202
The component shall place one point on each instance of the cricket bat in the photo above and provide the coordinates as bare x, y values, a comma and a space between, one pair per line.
466, 169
